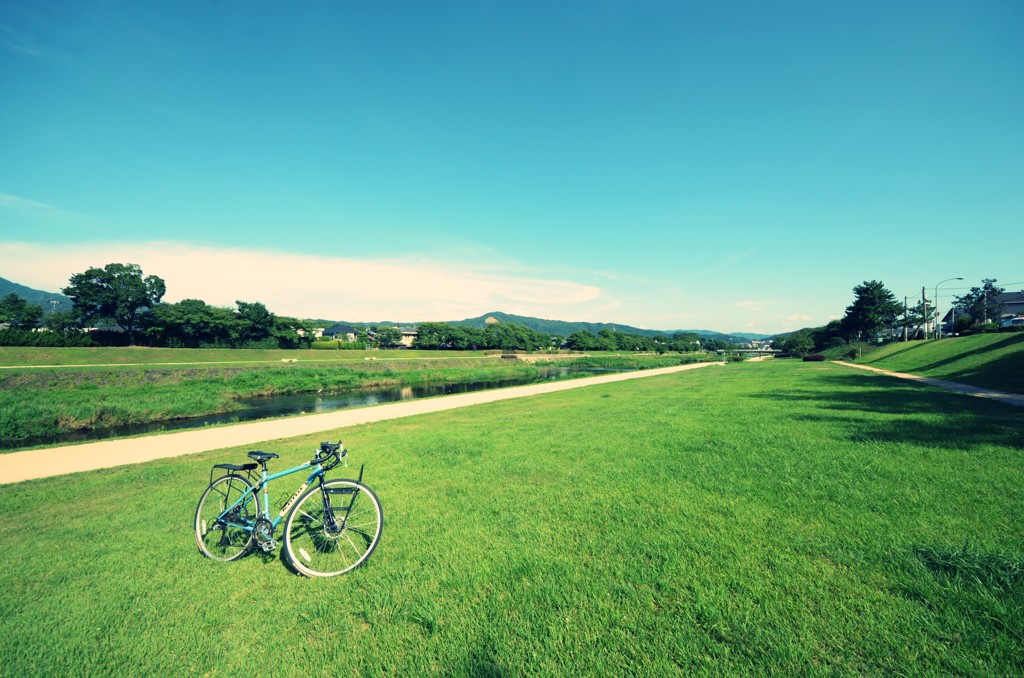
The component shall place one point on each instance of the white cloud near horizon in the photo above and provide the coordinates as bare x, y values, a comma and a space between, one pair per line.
311, 286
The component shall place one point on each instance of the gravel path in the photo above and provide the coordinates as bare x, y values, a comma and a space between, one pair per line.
1001, 396
53, 461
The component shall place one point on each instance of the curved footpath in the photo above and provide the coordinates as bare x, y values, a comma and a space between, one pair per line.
1001, 396
53, 461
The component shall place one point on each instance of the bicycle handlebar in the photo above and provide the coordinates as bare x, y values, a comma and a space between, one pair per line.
328, 450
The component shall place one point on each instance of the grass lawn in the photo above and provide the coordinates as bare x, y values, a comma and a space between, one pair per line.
989, 360
757, 518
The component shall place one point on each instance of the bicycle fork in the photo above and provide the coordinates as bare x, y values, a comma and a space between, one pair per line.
330, 520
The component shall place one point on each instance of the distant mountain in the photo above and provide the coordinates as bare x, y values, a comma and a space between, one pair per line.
37, 297
564, 328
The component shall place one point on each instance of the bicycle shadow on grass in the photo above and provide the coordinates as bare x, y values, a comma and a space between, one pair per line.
888, 409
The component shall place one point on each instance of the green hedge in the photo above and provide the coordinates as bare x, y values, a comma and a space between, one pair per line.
337, 345
11, 337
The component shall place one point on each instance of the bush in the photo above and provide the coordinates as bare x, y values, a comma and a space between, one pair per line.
45, 339
337, 345
814, 358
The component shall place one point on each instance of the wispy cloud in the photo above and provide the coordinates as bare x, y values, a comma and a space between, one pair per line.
307, 285
25, 43
755, 305
38, 209
729, 261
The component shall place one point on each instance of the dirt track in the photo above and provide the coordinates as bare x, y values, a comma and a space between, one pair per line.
999, 396
31, 464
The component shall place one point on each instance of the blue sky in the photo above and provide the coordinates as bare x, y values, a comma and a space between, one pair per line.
736, 166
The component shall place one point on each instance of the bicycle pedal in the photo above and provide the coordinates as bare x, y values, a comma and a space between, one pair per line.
268, 546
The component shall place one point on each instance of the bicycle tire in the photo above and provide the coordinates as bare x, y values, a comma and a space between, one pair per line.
225, 543
317, 549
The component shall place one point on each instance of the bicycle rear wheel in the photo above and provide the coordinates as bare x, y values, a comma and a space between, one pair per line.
220, 533
334, 529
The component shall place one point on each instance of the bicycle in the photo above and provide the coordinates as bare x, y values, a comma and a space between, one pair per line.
330, 526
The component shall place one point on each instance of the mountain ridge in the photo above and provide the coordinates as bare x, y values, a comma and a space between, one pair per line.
37, 297
562, 328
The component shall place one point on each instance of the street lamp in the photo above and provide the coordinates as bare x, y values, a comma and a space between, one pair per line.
938, 318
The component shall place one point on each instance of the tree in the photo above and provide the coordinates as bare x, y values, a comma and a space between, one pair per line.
255, 322
980, 303
18, 313
116, 292
580, 340
915, 317
433, 336
798, 343
192, 323
63, 323
873, 308
388, 337
513, 337
292, 332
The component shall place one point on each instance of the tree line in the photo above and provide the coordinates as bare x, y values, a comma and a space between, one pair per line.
121, 306
509, 336
875, 315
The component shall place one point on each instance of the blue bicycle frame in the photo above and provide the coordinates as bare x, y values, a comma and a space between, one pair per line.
264, 484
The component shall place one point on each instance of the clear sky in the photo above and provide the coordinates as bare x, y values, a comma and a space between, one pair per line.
694, 164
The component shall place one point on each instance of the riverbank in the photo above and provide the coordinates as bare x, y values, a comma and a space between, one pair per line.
38, 405
30, 464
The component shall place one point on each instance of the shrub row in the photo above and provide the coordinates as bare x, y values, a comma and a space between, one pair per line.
12, 337
337, 345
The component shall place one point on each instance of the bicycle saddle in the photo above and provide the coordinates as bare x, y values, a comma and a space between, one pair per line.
262, 457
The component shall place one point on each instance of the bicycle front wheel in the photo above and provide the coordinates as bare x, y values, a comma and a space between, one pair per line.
333, 529
224, 518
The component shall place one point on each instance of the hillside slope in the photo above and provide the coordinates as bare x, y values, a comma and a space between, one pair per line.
37, 297
988, 360
565, 328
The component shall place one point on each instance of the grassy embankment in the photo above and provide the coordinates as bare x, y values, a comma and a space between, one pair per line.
778, 517
989, 360
47, 401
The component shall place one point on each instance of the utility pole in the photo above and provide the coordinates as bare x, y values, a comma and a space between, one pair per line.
905, 318
924, 307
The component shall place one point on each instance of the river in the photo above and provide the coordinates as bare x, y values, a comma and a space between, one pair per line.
308, 403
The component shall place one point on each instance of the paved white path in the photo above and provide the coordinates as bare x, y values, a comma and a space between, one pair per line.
1001, 396
53, 461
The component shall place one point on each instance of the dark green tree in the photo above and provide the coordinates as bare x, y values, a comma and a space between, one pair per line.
192, 323
513, 337
18, 313
580, 340
873, 308
63, 323
388, 337
255, 323
432, 336
797, 343
292, 332
914, 317
116, 292
981, 304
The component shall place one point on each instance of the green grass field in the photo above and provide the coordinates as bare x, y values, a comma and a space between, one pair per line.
778, 517
989, 360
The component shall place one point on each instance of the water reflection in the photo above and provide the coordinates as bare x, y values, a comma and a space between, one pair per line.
316, 403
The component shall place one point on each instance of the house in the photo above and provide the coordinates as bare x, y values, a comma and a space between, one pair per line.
341, 332
408, 336
1013, 307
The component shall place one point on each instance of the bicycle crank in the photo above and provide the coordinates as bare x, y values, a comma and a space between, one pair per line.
264, 531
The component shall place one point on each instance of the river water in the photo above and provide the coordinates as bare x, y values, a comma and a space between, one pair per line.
307, 403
